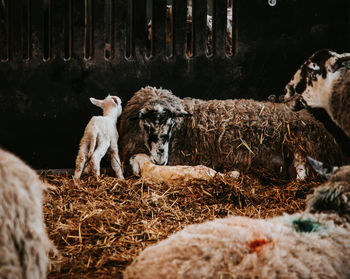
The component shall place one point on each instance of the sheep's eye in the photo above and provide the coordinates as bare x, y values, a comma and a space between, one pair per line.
147, 126
314, 76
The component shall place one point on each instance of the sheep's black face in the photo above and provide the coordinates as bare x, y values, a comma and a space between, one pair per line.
156, 126
312, 83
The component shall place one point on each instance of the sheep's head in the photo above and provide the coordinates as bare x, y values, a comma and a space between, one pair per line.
312, 83
156, 123
334, 194
111, 105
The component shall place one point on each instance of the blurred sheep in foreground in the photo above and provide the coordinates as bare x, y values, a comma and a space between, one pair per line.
24, 243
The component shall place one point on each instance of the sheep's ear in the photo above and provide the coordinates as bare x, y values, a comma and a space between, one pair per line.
330, 197
322, 168
96, 102
181, 113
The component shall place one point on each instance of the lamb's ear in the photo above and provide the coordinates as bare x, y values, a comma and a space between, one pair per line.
96, 102
322, 168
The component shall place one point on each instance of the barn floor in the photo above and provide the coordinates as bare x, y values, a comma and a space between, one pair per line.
102, 224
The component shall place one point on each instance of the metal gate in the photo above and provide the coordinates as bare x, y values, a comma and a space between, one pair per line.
57, 53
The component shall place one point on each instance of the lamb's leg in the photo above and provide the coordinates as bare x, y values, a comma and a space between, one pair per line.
97, 156
115, 161
81, 159
299, 163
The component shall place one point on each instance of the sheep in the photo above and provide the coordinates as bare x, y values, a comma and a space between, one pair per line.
24, 243
310, 244
142, 166
100, 136
323, 81
223, 134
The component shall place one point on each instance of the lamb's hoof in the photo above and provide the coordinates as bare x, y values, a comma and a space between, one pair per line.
76, 180
233, 174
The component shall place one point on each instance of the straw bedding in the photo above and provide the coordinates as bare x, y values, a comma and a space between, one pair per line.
101, 225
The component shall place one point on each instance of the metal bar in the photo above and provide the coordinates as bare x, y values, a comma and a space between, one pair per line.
199, 32
58, 22
27, 30
88, 30
4, 30
99, 24
179, 27
109, 29
15, 48
37, 30
219, 28
47, 25
139, 30
78, 28
129, 27
159, 32
68, 30
234, 42
120, 28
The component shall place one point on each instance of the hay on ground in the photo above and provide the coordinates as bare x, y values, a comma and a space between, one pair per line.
101, 225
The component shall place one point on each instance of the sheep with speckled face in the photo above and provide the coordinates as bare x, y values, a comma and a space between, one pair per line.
224, 135
24, 243
100, 136
310, 244
323, 81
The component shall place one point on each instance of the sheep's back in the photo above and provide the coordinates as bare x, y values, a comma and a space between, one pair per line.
230, 134
249, 248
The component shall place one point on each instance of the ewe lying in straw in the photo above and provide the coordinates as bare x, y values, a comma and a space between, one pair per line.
312, 244
100, 136
223, 134
323, 81
24, 243
142, 166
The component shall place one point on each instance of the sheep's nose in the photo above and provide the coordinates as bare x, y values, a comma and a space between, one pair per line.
161, 151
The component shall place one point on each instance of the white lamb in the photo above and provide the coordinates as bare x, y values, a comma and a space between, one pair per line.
310, 244
143, 166
100, 136
24, 243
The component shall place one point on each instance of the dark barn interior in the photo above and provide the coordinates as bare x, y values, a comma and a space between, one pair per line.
56, 54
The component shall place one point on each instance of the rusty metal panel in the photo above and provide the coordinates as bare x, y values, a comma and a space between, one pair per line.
199, 27
219, 27
179, 28
57, 54
159, 35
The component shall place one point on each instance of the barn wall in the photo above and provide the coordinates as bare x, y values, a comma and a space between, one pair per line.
56, 54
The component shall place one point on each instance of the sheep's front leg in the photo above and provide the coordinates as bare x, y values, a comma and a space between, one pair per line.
81, 159
97, 156
115, 161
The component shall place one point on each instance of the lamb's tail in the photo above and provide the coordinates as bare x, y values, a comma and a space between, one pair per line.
92, 147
